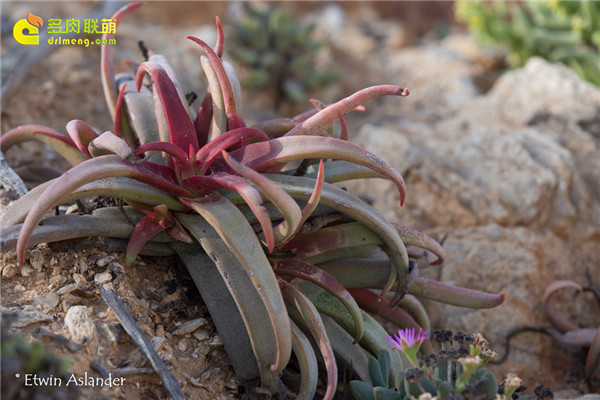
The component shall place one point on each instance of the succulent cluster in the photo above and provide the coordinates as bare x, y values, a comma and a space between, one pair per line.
278, 252
559, 31
278, 53
454, 372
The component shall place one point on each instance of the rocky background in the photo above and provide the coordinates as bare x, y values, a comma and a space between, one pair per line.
505, 163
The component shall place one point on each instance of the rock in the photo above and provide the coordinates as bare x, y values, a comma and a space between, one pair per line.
24, 318
79, 324
66, 289
36, 259
103, 262
80, 280
9, 270
201, 335
26, 271
48, 300
102, 278
189, 326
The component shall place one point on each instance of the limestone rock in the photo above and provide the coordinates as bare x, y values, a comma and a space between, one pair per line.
80, 324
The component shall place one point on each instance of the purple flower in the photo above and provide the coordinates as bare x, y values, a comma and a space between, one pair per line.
407, 338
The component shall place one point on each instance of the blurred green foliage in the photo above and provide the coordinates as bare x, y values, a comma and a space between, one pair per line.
278, 52
559, 31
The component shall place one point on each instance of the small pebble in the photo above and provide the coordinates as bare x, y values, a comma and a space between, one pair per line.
201, 335
80, 280
103, 262
49, 300
215, 342
36, 259
182, 345
70, 299
57, 280
66, 289
26, 271
80, 324
102, 278
189, 326
19, 288
9, 271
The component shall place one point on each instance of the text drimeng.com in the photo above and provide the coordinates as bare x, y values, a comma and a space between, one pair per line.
79, 42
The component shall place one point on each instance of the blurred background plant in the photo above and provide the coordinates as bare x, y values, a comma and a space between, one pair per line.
559, 31
20, 357
278, 52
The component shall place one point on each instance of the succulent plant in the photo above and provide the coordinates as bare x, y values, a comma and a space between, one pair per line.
278, 52
278, 252
559, 31
451, 373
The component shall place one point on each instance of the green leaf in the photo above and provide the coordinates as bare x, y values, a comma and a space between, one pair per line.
384, 360
241, 240
376, 373
361, 390
307, 361
344, 202
381, 393
223, 309
313, 320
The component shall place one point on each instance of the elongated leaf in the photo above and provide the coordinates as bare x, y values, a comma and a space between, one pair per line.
215, 147
311, 203
141, 116
374, 336
375, 304
302, 270
89, 171
60, 143
164, 63
203, 119
106, 66
275, 127
239, 237
144, 230
332, 238
412, 237
415, 308
553, 315
233, 119
313, 320
109, 143
219, 118
325, 118
289, 209
222, 307
307, 361
182, 163
220, 180
340, 171
368, 273
592, 362
181, 128
81, 134
106, 222
344, 202
352, 355
119, 188
277, 152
